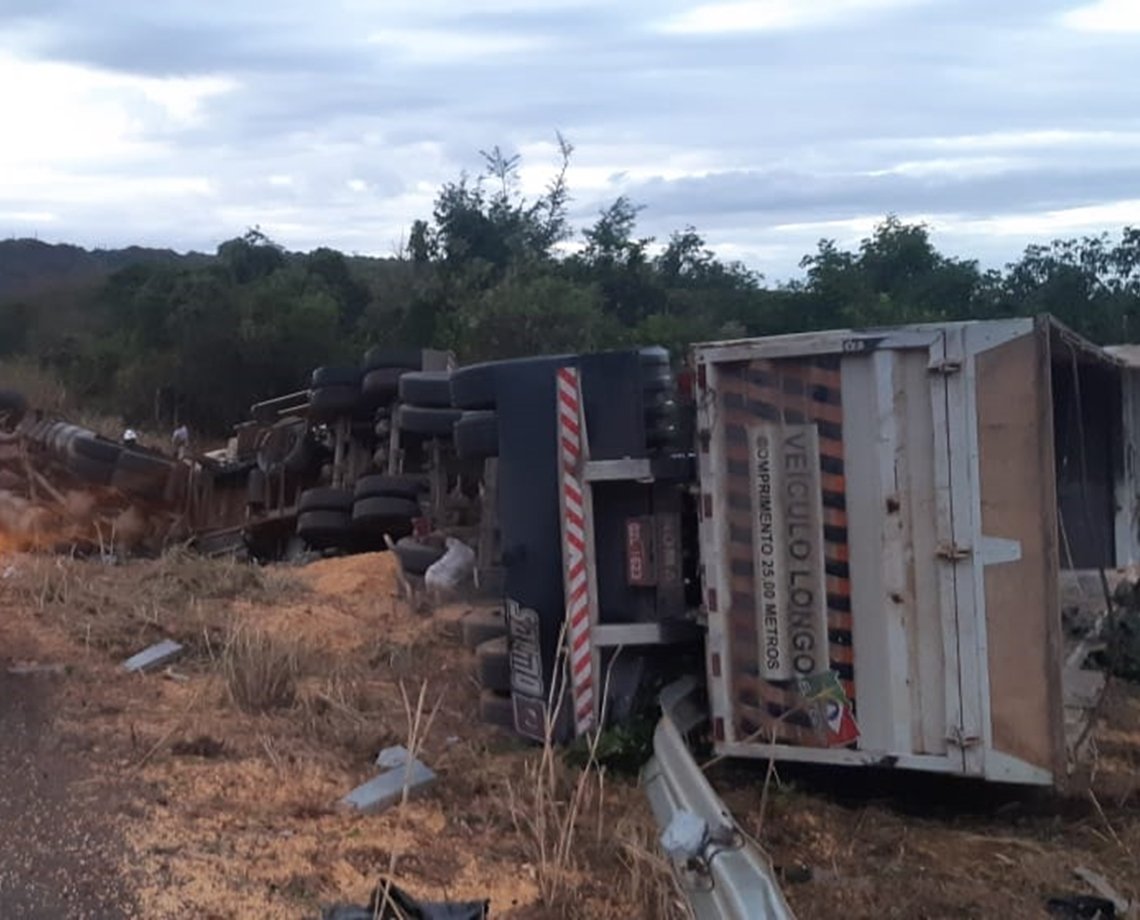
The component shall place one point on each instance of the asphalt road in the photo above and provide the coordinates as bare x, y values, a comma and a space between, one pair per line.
57, 850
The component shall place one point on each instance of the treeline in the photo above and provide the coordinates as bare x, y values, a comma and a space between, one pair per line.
490, 275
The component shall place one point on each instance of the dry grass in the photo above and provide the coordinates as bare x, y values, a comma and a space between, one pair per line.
120, 608
592, 847
261, 671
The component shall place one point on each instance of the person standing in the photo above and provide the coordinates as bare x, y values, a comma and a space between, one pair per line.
180, 440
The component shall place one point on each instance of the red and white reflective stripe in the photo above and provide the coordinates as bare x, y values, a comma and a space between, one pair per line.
574, 530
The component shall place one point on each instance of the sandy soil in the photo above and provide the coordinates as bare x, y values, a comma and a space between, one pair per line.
188, 806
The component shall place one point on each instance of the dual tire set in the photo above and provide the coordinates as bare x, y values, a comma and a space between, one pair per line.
360, 517
358, 391
451, 405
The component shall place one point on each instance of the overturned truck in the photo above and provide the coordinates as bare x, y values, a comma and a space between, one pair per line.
862, 550
887, 547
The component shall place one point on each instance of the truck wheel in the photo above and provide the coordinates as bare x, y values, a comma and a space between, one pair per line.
480, 625
477, 435
64, 435
325, 499
497, 709
13, 407
433, 423
473, 387
426, 388
415, 557
95, 448
384, 357
409, 487
335, 377
493, 664
381, 385
323, 529
329, 402
385, 514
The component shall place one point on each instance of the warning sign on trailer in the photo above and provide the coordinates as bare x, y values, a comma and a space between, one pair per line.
791, 581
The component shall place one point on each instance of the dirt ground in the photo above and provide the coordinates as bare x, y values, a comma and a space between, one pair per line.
164, 796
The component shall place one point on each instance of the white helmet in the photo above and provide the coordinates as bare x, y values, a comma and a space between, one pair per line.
130, 435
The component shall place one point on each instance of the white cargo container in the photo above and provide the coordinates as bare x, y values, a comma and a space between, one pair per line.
884, 520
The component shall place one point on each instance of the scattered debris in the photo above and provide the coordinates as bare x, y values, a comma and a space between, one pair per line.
202, 746
388, 902
1081, 907
387, 789
392, 757
1104, 889
158, 654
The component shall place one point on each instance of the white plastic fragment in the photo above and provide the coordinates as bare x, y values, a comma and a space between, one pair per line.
387, 789
158, 654
454, 567
683, 838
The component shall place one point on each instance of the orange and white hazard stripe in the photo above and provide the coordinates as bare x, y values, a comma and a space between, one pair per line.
575, 533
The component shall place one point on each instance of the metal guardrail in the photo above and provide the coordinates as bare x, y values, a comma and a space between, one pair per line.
722, 874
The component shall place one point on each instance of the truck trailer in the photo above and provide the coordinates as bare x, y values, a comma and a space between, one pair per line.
859, 551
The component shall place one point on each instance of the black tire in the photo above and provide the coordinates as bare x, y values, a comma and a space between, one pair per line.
479, 626
96, 448
333, 401
380, 510
426, 388
380, 356
335, 377
660, 406
497, 709
89, 469
378, 485
658, 381
474, 386
324, 529
285, 446
382, 385
493, 664
325, 499
432, 423
415, 557
477, 435
62, 438
653, 357
13, 401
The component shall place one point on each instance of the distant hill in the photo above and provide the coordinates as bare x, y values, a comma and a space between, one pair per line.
28, 267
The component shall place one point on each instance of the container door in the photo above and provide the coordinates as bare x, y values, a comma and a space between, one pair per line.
951, 551
1008, 589
900, 459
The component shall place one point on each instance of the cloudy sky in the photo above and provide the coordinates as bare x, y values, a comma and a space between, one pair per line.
766, 124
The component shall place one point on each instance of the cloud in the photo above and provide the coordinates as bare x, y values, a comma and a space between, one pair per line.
1112, 16
771, 15
763, 123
